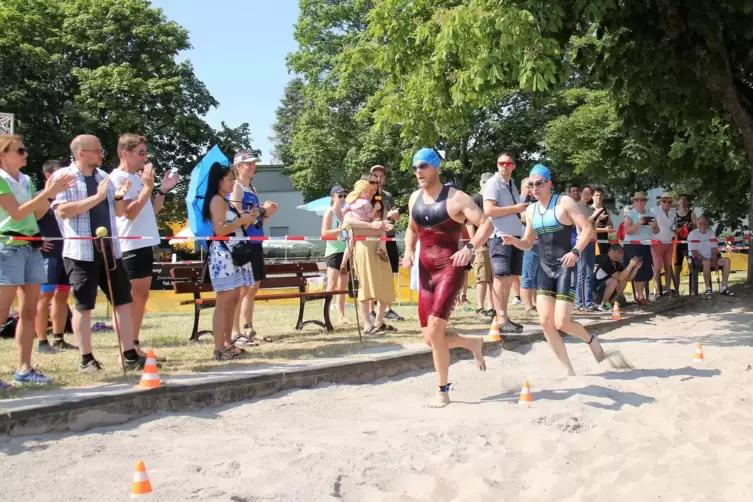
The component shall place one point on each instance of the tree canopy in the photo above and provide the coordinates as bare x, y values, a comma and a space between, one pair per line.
105, 67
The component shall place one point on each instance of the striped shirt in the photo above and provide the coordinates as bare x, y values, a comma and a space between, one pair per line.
80, 226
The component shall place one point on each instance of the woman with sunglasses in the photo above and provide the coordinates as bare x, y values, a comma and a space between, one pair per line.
22, 269
334, 251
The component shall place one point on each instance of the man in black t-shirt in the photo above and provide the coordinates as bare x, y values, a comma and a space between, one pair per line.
611, 276
56, 290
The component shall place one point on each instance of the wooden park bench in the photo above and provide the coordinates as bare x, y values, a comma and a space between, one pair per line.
188, 279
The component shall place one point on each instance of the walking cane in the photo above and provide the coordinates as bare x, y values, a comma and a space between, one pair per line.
102, 233
349, 243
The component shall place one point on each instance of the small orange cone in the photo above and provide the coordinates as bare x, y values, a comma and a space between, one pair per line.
616, 312
494, 335
698, 357
525, 394
141, 484
150, 377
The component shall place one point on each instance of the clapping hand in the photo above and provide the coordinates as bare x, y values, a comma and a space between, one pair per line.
169, 180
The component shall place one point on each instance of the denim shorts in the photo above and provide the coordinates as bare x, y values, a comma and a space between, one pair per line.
21, 265
530, 268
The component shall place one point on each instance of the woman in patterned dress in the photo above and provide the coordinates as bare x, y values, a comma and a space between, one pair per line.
226, 277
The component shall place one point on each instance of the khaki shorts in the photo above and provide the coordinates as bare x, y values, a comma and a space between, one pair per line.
482, 265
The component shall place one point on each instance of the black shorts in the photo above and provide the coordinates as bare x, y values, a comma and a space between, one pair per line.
336, 261
394, 256
557, 281
87, 276
257, 262
139, 263
681, 251
506, 260
646, 272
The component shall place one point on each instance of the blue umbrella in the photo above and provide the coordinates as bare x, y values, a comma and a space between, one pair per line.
197, 187
318, 206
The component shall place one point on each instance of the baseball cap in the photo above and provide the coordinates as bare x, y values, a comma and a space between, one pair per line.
245, 157
337, 189
486, 177
541, 170
427, 156
378, 168
615, 247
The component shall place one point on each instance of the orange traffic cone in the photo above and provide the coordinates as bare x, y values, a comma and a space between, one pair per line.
494, 335
616, 312
150, 377
525, 394
698, 357
141, 484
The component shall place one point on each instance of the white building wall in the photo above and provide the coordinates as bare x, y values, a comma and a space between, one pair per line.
296, 221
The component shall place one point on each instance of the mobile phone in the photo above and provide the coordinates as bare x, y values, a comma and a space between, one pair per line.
648, 220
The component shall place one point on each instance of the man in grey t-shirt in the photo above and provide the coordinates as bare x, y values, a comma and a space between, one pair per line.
502, 205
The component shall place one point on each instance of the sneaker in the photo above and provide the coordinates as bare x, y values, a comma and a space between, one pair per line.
484, 315
491, 313
31, 377
135, 364
393, 316
46, 348
517, 301
510, 327
92, 366
61, 344
590, 308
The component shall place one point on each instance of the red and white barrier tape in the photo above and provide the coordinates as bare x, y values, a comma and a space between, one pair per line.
728, 240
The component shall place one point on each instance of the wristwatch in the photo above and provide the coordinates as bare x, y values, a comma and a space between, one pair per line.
575, 251
469, 246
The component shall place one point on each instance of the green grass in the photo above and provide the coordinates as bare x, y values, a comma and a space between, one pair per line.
167, 334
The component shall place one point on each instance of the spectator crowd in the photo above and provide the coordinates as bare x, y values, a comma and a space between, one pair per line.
77, 201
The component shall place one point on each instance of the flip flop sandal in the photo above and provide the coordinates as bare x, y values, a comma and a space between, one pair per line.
384, 328
727, 292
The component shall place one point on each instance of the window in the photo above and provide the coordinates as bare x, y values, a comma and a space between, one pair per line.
278, 231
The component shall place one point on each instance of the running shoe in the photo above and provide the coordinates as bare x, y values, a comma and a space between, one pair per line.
31, 377
61, 344
393, 316
517, 301
135, 364
510, 327
46, 348
92, 366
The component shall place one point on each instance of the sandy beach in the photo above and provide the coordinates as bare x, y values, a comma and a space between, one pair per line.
667, 430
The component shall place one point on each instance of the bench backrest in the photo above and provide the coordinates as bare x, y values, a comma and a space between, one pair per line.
283, 275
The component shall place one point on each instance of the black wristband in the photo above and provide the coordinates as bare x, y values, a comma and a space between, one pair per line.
162, 193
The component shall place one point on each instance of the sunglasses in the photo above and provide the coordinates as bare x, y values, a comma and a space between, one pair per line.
141, 153
340, 195
420, 166
665, 201
22, 151
503, 164
537, 184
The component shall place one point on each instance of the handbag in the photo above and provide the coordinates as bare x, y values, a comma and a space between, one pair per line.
242, 252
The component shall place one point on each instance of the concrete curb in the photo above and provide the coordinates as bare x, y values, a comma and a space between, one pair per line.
121, 407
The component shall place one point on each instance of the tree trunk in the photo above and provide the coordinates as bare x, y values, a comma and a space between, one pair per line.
722, 83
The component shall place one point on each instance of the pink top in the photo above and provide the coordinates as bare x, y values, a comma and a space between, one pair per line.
361, 209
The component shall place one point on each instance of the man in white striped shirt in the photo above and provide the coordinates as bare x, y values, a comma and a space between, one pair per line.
94, 202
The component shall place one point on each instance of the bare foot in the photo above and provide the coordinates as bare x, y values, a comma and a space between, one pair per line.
569, 372
596, 349
478, 353
441, 399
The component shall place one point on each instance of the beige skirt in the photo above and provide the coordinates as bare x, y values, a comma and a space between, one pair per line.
374, 274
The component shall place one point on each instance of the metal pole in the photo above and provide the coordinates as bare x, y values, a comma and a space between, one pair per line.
109, 288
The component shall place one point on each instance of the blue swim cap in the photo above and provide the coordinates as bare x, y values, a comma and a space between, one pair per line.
426, 155
541, 170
